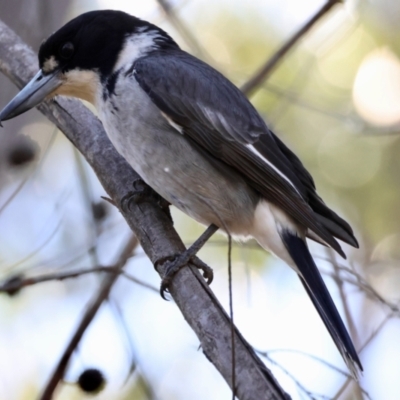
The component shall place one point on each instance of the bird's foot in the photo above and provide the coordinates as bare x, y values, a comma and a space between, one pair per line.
177, 262
141, 193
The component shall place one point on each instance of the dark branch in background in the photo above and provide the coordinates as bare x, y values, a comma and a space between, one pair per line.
87, 318
16, 282
253, 83
152, 227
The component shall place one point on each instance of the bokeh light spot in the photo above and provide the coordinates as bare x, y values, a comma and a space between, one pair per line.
376, 89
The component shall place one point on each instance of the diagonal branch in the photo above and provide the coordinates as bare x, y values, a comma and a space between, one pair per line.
87, 318
259, 77
152, 227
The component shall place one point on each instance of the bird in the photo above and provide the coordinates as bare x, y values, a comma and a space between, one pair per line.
195, 139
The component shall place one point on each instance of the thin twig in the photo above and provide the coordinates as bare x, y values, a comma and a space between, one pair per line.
367, 342
317, 359
14, 285
301, 387
140, 282
364, 286
254, 82
87, 318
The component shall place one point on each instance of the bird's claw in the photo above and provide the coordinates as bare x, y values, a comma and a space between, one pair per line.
208, 273
137, 195
140, 193
176, 263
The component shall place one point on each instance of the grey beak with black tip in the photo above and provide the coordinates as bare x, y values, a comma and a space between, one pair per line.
31, 95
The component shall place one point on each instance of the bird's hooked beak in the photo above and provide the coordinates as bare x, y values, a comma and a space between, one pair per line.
32, 94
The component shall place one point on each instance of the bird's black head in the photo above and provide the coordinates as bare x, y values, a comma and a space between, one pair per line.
78, 58
94, 41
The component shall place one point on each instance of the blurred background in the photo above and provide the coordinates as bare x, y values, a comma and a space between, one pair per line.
334, 100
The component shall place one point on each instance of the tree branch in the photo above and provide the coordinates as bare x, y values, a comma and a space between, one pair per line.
87, 318
16, 282
259, 77
153, 229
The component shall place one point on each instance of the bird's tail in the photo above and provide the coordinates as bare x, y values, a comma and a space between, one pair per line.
319, 295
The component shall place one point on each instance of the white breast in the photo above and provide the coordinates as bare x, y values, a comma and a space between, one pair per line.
128, 116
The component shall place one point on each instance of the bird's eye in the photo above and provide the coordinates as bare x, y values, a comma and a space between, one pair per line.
67, 50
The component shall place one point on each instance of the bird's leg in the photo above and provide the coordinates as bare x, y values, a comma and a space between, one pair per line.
142, 192
175, 263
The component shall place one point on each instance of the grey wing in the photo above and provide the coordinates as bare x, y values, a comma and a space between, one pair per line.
220, 119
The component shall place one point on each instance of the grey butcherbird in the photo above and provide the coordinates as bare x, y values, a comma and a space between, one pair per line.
195, 139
